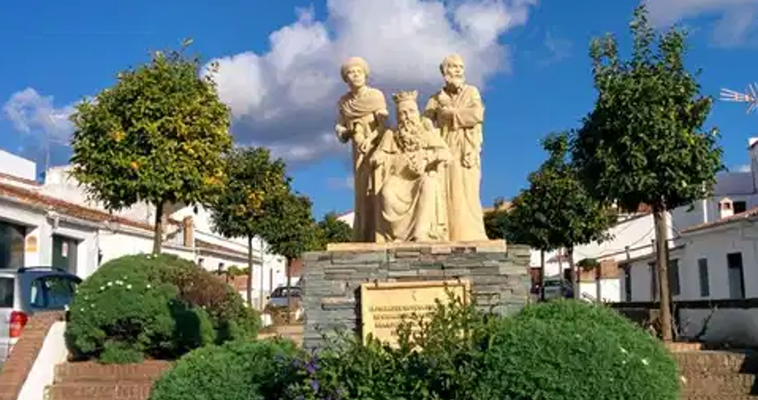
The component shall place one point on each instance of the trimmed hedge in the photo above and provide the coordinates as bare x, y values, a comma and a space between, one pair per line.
155, 306
238, 370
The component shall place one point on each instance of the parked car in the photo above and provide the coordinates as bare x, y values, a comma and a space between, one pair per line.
558, 288
278, 297
26, 291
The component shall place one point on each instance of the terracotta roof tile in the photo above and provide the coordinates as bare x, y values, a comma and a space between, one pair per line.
212, 246
723, 221
44, 202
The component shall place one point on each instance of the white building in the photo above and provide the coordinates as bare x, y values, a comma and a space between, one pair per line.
53, 224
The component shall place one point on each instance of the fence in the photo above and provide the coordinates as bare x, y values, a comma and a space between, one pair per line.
728, 322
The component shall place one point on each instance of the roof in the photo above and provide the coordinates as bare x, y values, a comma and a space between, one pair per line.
216, 247
41, 201
743, 216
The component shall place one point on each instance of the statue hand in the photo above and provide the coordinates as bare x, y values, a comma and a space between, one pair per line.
364, 146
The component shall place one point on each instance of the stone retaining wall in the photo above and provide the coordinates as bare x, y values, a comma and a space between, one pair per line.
332, 278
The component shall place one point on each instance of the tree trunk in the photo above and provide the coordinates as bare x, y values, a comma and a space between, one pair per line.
289, 294
250, 271
158, 232
542, 275
575, 282
661, 269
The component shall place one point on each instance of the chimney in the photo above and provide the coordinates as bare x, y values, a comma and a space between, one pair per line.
188, 231
726, 208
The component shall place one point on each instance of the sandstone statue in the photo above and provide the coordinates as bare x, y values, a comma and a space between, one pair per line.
413, 196
362, 120
458, 112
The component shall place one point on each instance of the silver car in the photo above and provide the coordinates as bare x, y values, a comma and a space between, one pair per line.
26, 291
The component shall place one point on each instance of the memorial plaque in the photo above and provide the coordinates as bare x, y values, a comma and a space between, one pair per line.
385, 304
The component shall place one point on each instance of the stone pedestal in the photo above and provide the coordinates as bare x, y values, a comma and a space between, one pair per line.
331, 279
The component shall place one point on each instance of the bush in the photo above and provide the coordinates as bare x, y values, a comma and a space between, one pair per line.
235, 370
570, 350
447, 367
157, 306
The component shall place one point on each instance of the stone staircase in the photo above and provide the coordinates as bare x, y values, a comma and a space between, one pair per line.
92, 381
717, 375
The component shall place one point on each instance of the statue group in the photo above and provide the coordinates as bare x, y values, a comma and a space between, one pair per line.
418, 181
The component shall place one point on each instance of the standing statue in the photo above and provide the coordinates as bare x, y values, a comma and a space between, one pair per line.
362, 119
458, 112
413, 196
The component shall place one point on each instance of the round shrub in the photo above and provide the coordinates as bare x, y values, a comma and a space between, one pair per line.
568, 350
153, 305
258, 370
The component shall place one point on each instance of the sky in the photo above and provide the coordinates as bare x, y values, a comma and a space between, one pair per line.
279, 69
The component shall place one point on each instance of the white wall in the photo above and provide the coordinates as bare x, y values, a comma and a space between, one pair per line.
42, 373
12, 164
713, 245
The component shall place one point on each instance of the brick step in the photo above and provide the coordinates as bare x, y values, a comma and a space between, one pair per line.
705, 383
148, 371
99, 391
716, 362
693, 396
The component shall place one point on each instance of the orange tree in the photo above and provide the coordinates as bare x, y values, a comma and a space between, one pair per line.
252, 180
156, 136
643, 143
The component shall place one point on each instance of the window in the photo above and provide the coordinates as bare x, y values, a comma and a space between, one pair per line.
736, 276
52, 292
220, 267
627, 282
739, 206
673, 274
12, 245
7, 290
702, 269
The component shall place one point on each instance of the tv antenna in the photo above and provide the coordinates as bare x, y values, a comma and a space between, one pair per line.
750, 96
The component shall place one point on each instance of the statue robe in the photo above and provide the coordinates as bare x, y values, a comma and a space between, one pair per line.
358, 113
413, 197
463, 135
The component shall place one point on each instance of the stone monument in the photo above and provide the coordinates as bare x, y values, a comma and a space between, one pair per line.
419, 227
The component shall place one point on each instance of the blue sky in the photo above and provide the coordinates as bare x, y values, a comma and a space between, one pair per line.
530, 57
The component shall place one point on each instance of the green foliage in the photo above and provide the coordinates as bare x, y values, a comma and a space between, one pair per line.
588, 264
252, 179
496, 221
557, 211
642, 143
158, 306
333, 230
156, 136
235, 371
288, 226
573, 350
436, 359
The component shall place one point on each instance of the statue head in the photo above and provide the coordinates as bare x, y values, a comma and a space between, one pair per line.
408, 114
355, 72
453, 70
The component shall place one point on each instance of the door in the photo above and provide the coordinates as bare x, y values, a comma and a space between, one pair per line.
64, 253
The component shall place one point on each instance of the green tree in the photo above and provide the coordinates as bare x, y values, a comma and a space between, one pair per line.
290, 230
643, 143
558, 206
333, 230
252, 179
156, 136
495, 221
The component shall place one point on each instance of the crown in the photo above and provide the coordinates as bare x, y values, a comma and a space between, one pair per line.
405, 96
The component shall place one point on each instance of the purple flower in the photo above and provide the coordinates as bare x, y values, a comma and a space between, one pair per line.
314, 385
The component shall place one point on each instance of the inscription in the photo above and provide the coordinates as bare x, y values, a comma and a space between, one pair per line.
385, 306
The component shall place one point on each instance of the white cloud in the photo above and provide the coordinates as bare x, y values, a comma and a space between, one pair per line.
735, 17
32, 113
285, 98
345, 182
742, 168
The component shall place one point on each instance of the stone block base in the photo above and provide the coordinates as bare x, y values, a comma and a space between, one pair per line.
331, 279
